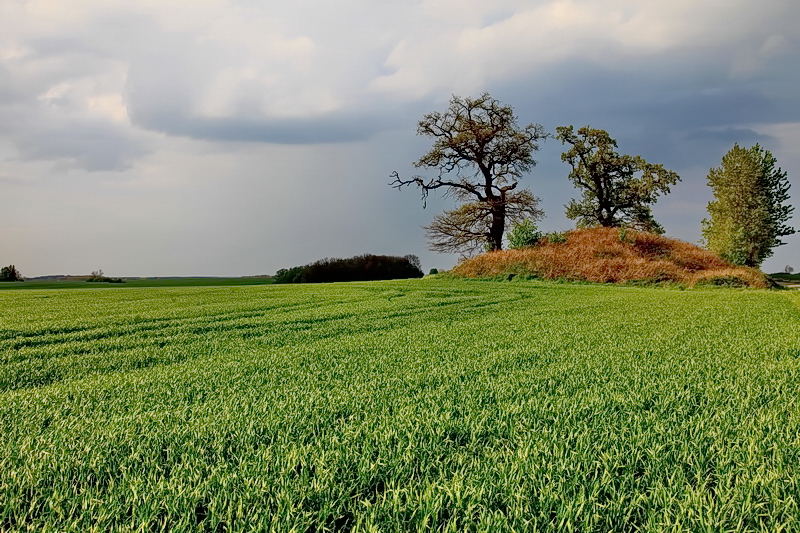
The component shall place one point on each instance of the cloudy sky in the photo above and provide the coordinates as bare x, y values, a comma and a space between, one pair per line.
224, 137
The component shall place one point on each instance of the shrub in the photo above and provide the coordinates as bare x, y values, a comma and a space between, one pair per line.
433, 271
365, 267
723, 281
730, 277
523, 235
557, 237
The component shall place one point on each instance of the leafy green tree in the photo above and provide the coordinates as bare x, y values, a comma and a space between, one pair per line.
617, 189
479, 154
749, 212
524, 234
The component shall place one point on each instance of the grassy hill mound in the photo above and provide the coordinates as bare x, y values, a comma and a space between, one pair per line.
612, 255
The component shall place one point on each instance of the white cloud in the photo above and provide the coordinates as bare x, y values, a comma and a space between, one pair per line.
109, 105
12, 51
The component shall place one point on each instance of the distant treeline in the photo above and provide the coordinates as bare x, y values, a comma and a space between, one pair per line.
365, 267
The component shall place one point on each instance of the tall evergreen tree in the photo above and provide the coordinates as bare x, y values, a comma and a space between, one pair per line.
775, 184
749, 212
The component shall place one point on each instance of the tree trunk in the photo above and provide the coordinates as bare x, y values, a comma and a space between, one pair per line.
498, 227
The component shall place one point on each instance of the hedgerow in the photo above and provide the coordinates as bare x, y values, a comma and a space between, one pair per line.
367, 267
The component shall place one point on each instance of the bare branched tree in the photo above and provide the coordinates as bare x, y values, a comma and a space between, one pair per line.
479, 154
467, 229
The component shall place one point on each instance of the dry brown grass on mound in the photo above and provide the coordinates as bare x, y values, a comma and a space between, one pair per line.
599, 255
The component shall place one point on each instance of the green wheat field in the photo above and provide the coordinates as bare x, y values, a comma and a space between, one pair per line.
424, 405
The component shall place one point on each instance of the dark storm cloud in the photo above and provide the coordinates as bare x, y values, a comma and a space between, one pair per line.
719, 107
694, 127
336, 127
730, 135
94, 146
680, 120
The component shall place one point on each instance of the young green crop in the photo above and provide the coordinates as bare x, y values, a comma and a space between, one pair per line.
427, 405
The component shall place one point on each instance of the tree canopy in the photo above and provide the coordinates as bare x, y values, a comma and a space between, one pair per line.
749, 212
479, 154
617, 189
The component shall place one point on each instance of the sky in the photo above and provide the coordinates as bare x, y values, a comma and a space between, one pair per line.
229, 138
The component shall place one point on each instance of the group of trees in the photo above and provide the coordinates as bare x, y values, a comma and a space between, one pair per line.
365, 267
97, 276
10, 273
480, 153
